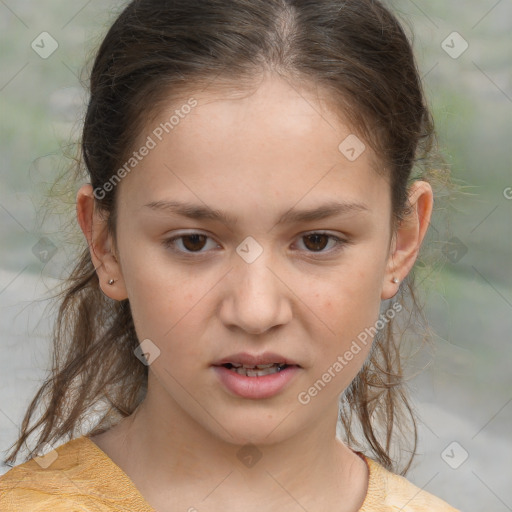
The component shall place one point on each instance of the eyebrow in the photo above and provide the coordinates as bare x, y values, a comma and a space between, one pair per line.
203, 212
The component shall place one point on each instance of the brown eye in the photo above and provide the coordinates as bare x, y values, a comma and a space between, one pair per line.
194, 242
317, 241
188, 243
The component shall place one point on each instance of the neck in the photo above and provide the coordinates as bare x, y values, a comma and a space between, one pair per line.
173, 452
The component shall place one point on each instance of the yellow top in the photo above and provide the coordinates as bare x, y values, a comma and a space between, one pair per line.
78, 476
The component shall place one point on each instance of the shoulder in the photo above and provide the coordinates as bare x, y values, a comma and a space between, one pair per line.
395, 493
75, 477
42, 483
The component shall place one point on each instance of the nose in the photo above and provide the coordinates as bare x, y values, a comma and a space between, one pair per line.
257, 297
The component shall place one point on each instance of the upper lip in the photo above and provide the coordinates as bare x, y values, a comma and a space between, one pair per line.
247, 359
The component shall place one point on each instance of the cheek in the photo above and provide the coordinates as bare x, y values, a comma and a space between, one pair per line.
164, 301
173, 323
349, 309
341, 351
351, 294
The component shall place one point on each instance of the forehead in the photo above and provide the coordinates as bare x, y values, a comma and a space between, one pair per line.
275, 141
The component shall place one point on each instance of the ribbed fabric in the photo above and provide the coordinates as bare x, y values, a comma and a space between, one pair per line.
388, 492
83, 478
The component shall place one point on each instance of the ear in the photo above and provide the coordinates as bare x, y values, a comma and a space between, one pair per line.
94, 227
408, 237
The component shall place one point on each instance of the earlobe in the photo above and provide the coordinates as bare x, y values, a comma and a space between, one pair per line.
408, 237
94, 227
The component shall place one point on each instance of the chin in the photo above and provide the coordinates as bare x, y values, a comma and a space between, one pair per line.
258, 426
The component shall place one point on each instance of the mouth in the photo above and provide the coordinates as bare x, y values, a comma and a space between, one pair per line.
257, 370
256, 376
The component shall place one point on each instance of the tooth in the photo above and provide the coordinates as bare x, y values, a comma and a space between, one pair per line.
256, 372
236, 365
268, 371
265, 365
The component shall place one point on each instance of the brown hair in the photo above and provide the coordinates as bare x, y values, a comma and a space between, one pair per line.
358, 52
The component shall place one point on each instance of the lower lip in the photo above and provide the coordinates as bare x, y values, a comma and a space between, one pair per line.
255, 387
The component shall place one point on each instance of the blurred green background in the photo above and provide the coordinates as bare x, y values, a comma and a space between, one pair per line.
466, 393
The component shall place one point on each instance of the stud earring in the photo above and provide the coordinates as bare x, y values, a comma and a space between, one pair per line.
111, 281
396, 280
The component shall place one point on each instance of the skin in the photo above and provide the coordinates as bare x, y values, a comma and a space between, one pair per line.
255, 158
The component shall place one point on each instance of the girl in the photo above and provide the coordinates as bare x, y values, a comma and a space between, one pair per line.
252, 220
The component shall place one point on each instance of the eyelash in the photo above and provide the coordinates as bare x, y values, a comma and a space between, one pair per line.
339, 243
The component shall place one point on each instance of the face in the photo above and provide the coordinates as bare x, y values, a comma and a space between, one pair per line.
259, 282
